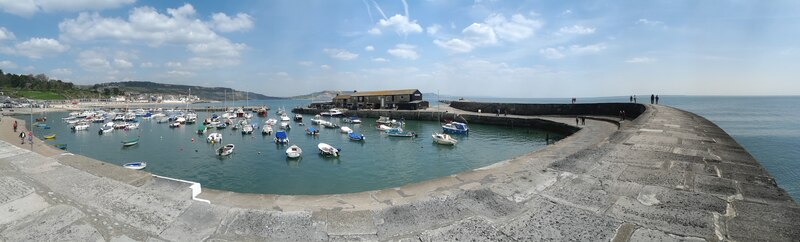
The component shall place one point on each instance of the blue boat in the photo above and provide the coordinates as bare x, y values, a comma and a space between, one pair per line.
356, 136
312, 131
398, 132
61, 146
455, 128
281, 138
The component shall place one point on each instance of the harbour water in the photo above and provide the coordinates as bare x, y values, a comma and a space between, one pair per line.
258, 165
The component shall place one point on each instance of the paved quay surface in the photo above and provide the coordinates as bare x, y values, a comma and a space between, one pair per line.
669, 175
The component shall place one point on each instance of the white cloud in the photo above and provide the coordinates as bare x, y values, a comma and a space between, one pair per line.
147, 65
340, 54
30, 7
479, 34
561, 51
325, 67
576, 29
61, 72
495, 28
5, 34
369, 48
379, 59
224, 23
375, 31
92, 60
305, 63
455, 45
640, 60
8, 64
178, 26
516, 29
174, 64
551, 53
433, 29
178, 73
587, 49
400, 23
645, 21
566, 12
36, 48
122, 63
404, 51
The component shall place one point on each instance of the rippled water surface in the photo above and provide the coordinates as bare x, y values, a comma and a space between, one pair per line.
258, 165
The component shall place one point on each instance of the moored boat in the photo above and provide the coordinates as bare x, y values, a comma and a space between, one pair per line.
327, 149
247, 129
281, 137
398, 132
214, 138
135, 165
298, 117
80, 126
444, 139
312, 131
60, 146
345, 130
52, 136
225, 150
353, 120
130, 142
356, 136
266, 130
455, 128
294, 151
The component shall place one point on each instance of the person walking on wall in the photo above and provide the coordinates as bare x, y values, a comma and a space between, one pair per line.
634, 98
15, 126
631, 99
652, 98
576, 121
583, 120
656, 99
22, 137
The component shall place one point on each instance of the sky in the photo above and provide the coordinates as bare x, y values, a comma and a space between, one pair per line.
493, 48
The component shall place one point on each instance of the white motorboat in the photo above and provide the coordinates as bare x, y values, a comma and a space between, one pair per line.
132, 126
332, 112
266, 130
175, 124
271, 121
298, 117
353, 120
385, 120
247, 129
214, 138
317, 119
285, 126
346, 130
80, 126
444, 139
225, 150
294, 151
383, 127
327, 149
284, 117
328, 124
135, 165
281, 137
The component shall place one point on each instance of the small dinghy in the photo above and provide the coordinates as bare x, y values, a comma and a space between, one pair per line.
383, 127
61, 146
346, 130
247, 129
130, 142
285, 126
398, 132
298, 117
225, 150
135, 165
327, 149
356, 136
328, 124
281, 138
214, 138
444, 139
294, 151
52, 136
266, 130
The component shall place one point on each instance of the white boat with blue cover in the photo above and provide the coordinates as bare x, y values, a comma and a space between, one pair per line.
135, 165
455, 128
356, 136
281, 137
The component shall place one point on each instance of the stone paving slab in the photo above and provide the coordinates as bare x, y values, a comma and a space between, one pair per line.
548, 220
49, 225
698, 223
469, 229
198, 222
257, 225
19, 208
644, 234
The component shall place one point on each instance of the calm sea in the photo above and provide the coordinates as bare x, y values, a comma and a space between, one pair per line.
767, 126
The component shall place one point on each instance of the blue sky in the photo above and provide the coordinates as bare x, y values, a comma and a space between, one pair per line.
470, 48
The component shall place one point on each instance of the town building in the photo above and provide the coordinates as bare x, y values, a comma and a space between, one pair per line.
406, 99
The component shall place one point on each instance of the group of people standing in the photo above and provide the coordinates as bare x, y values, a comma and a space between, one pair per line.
23, 135
653, 99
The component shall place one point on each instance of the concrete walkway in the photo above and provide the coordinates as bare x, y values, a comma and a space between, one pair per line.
667, 176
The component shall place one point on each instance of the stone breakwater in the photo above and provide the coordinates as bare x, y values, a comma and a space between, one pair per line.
666, 175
